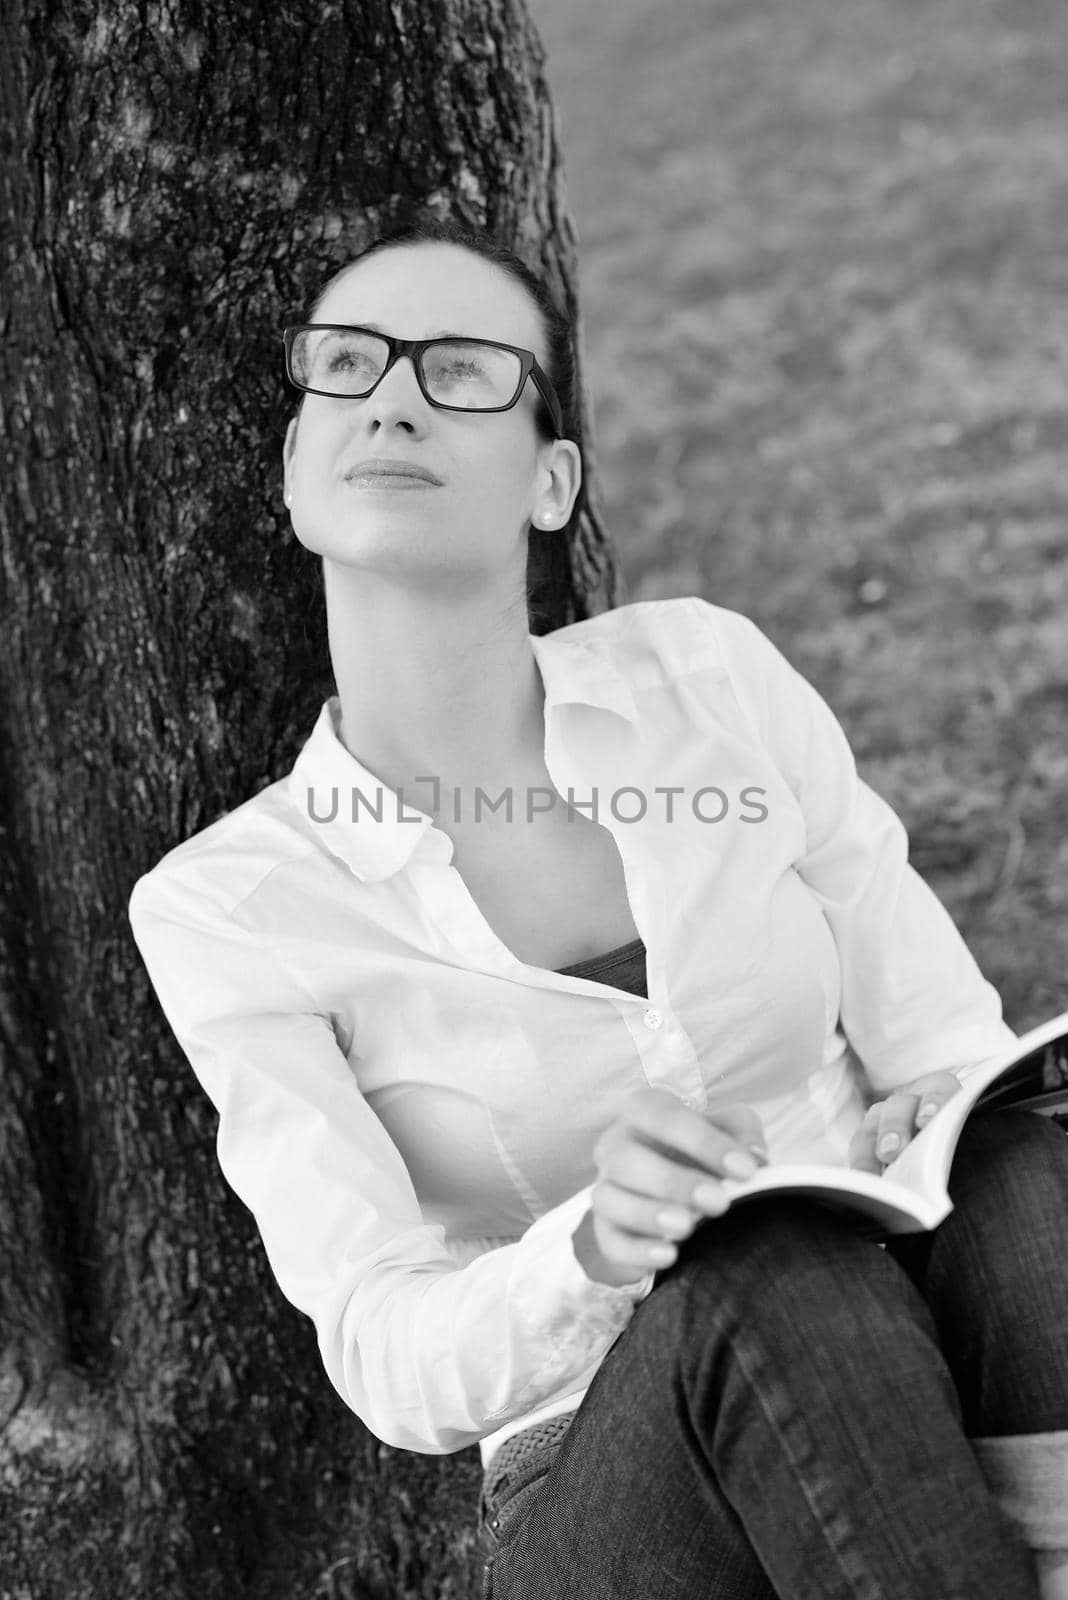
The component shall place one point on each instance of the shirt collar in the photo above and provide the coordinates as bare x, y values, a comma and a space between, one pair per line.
387, 829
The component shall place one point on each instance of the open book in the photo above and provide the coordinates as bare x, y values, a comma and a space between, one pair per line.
911, 1194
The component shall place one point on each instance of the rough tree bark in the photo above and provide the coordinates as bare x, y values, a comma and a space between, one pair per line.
177, 180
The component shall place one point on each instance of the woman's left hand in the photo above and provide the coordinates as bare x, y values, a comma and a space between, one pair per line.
891, 1123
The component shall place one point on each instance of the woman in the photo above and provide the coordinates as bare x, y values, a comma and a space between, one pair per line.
543, 937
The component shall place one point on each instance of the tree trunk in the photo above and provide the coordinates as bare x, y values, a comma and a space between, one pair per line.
177, 181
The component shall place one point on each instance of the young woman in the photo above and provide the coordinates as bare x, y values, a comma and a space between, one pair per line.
542, 937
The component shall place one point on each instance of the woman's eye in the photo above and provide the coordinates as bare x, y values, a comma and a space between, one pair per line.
460, 369
346, 360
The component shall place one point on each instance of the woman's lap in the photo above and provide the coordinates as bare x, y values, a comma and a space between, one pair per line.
779, 1417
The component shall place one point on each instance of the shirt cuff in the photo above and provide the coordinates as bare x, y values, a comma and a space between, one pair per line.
566, 1321
573, 1310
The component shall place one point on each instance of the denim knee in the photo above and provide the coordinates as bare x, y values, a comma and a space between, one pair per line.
809, 1374
996, 1277
801, 1282
1010, 1158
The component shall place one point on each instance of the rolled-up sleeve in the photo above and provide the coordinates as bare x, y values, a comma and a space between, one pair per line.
429, 1355
913, 999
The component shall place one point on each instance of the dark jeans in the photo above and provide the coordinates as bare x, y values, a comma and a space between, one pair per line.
788, 1412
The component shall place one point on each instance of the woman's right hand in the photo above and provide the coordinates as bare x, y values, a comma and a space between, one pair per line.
659, 1164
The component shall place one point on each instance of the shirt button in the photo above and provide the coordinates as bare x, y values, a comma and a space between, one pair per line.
652, 1018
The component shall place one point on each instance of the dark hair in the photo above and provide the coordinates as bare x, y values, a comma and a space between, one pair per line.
548, 554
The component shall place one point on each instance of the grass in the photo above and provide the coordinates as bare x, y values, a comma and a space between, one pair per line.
824, 284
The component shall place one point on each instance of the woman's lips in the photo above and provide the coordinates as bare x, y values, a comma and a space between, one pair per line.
392, 468
388, 480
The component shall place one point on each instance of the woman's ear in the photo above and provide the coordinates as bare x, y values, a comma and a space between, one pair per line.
288, 451
565, 479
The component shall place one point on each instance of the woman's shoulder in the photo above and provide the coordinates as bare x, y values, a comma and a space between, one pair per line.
725, 658
685, 633
226, 860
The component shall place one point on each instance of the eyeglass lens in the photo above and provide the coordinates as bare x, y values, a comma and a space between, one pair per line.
472, 377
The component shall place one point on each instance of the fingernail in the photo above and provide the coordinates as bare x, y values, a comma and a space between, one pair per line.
674, 1218
739, 1164
928, 1109
887, 1144
759, 1155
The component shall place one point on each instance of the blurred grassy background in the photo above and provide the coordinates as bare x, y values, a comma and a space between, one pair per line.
825, 290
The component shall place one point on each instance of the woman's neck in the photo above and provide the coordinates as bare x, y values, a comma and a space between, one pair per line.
434, 689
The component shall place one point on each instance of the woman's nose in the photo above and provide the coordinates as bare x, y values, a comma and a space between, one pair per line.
398, 397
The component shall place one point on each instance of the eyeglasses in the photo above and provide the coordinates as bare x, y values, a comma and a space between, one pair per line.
335, 359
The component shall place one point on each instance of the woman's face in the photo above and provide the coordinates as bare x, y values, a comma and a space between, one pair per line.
496, 473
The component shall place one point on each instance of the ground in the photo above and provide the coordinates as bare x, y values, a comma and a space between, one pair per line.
824, 283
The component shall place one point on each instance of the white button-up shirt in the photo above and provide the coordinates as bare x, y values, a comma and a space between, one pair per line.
409, 1110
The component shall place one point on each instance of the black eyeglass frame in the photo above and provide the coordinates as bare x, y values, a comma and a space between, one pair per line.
528, 362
